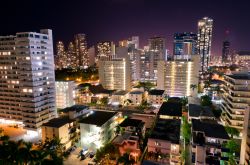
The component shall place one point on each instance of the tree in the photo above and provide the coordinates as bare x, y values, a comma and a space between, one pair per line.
104, 101
206, 101
186, 129
126, 160
184, 101
146, 85
193, 86
232, 131
234, 148
127, 102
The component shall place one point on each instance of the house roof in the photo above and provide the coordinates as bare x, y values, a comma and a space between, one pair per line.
195, 110
167, 129
121, 92
98, 89
58, 122
76, 108
156, 92
136, 92
98, 118
131, 122
214, 130
171, 109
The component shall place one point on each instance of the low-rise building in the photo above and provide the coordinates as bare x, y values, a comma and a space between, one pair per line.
62, 128
207, 142
133, 125
170, 110
199, 112
136, 97
155, 97
92, 94
74, 111
119, 98
165, 141
128, 142
97, 129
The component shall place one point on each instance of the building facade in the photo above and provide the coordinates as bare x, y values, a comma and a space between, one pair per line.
27, 78
105, 50
115, 74
235, 100
65, 94
176, 76
205, 27
185, 43
226, 51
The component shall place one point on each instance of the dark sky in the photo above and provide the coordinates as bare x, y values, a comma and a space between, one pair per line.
119, 19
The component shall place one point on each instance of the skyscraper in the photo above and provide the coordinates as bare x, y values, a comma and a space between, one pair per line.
133, 42
61, 59
185, 43
225, 51
27, 81
205, 27
81, 50
105, 50
157, 50
71, 54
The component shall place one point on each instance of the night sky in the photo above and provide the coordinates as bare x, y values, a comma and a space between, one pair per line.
114, 20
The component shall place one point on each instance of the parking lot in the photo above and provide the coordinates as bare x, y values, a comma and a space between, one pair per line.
74, 158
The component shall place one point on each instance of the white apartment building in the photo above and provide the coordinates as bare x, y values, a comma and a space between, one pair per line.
65, 94
27, 80
235, 107
114, 74
176, 76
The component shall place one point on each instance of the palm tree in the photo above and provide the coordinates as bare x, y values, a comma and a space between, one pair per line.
193, 86
126, 160
127, 102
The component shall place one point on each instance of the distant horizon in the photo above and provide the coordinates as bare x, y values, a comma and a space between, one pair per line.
115, 20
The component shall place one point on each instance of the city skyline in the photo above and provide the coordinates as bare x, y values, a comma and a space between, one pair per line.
117, 20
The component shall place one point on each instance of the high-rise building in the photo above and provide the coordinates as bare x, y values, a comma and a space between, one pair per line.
65, 94
145, 66
27, 81
81, 50
72, 58
133, 42
235, 100
92, 55
185, 43
61, 59
205, 27
115, 74
177, 76
157, 52
105, 50
226, 51
235, 109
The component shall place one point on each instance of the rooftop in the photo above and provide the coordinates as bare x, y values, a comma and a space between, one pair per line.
240, 76
98, 118
76, 108
156, 92
171, 109
131, 122
58, 122
209, 129
167, 130
120, 92
98, 89
136, 92
195, 110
